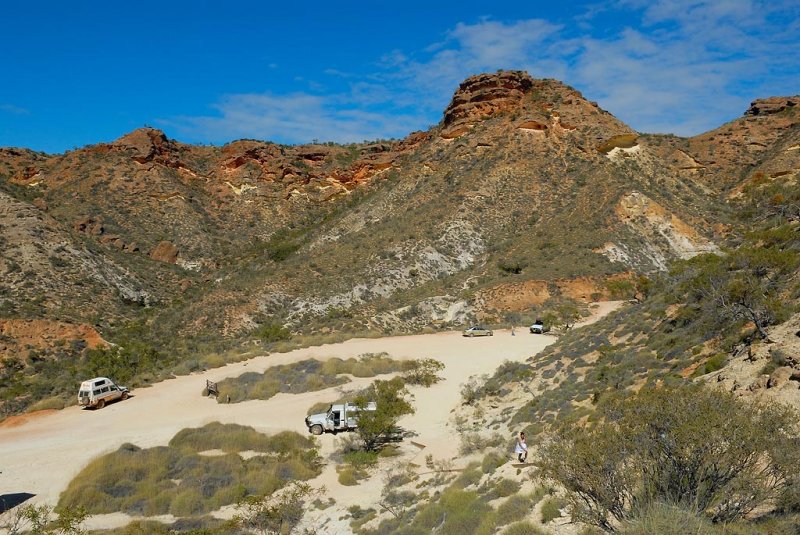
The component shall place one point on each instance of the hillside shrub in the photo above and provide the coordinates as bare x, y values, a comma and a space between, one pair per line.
712, 364
502, 489
515, 508
273, 332
743, 285
280, 247
492, 461
701, 449
551, 509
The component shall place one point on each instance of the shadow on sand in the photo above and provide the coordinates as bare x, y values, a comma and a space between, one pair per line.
9, 501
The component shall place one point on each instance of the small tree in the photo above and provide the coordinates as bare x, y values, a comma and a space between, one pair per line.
277, 513
43, 519
566, 314
424, 372
375, 426
695, 447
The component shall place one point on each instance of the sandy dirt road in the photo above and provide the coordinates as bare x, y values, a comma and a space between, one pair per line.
42, 453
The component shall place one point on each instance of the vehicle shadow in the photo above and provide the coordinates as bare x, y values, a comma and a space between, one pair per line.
9, 501
120, 400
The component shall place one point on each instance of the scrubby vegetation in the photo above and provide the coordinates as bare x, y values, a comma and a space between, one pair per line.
701, 449
276, 513
308, 376
459, 510
54, 375
182, 480
42, 519
685, 324
686, 456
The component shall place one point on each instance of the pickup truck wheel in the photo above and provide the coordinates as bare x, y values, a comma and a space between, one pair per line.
316, 429
101, 404
124, 396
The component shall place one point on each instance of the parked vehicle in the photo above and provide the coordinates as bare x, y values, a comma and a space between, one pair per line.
338, 417
538, 327
97, 392
477, 331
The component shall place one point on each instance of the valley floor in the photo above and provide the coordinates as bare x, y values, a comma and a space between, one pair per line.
41, 453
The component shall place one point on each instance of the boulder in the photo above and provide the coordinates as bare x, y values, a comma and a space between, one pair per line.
144, 143
89, 226
759, 383
780, 376
165, 252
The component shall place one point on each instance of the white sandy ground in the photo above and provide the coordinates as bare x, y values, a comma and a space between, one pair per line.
42, 453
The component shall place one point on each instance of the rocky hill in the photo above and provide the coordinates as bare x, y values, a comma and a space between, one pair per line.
525, 192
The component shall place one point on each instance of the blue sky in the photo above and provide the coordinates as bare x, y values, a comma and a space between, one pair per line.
77, 73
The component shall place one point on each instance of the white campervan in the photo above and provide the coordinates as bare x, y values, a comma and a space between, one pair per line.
99, 391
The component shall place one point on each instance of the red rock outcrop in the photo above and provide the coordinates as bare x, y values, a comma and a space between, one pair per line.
485, 95
737, 147
165, 252
768, 106
147, 145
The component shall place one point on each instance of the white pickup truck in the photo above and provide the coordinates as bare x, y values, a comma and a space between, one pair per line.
338, 417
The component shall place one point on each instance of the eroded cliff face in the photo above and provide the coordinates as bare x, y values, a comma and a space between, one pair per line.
484, 95
520, 171
762, 141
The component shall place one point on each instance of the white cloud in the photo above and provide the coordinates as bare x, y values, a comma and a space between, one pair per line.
692, 66
681, 66
14, 110
291, 118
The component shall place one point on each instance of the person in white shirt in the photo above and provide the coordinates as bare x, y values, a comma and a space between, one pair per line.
522, 447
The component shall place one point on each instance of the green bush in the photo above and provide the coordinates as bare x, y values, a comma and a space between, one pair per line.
551, 509
361, 459
470, 476
280, 247
492, 461
347, 477
712, 364
514, 508
424, 372
789, 500
503, 488
225, 437
704, 450
272, 332
48, 404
